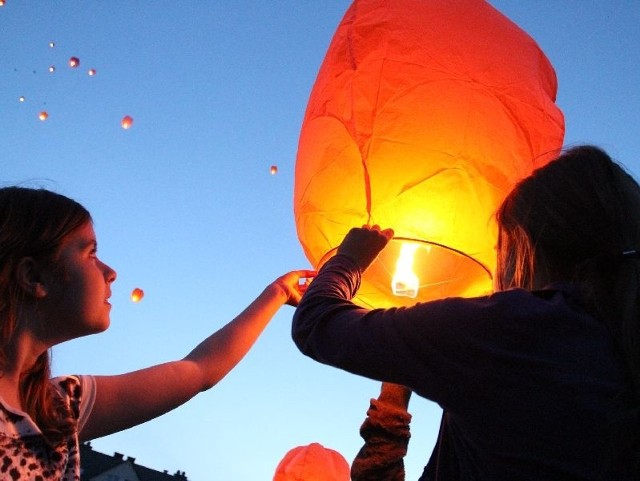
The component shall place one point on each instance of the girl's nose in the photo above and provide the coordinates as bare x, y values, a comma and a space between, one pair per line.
109, 274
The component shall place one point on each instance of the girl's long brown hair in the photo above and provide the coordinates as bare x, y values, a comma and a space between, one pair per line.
577, 220
33, 223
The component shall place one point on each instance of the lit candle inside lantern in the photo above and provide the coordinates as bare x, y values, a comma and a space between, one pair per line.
405, 282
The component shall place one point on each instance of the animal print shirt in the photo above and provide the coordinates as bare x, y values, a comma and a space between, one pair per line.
25, 454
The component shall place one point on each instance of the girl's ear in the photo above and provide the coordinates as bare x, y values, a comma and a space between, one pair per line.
30, 278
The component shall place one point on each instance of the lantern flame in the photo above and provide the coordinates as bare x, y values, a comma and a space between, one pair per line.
405, 282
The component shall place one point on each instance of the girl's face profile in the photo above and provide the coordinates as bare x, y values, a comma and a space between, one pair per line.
78, 288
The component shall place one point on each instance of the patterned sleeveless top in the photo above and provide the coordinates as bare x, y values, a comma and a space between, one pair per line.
26, 455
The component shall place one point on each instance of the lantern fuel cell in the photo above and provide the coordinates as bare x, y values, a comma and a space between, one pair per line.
405, 281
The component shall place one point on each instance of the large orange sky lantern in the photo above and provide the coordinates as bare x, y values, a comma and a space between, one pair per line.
424, 115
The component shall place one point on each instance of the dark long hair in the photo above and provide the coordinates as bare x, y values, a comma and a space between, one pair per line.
577, 220
33, 223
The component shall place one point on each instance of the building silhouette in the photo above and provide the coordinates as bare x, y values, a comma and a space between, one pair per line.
96, 466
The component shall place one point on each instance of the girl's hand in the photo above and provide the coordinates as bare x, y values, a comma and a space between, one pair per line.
293, 284
362, 245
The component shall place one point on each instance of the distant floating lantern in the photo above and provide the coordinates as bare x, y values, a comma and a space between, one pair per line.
43, 115
52, 44
1, 3
137, 294
92, 72
126, 122
274, 169
74, 62
21, 98
424, 115
52, 68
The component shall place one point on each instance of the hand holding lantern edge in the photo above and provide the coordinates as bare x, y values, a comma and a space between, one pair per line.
363, 244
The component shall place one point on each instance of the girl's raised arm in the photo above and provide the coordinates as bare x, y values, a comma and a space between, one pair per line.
126, 400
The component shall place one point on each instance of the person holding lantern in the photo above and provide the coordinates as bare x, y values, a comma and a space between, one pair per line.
539, 380
53, 288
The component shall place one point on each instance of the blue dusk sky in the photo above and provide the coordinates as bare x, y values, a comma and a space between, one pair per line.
185, 206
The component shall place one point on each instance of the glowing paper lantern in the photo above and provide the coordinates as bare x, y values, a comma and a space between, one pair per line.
43, 115
1, 3
137, 294
52, 68
423, 116
91, 72
273, 169
126, 122
52, 44
313, 462
74, 62
21, 98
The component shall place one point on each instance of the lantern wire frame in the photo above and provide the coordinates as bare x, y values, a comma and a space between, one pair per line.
442, 271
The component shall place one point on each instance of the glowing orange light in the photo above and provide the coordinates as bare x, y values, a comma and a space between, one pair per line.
1, 3
274, 169
405, 281
312, 462
74, 62
437, 111
92, 72
43, 115
52, 68
137, 294
126, 122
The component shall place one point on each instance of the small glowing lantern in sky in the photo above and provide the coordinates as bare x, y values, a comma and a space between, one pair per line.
74, 62
273, 169
43, 115
52, 68
126, 122
91, 72
428, 113
137, 294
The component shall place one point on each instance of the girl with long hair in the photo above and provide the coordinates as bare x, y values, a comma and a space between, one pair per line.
539, 380
53, 288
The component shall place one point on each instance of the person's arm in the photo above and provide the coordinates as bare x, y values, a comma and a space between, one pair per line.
386, 435
130, 399
326, 317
